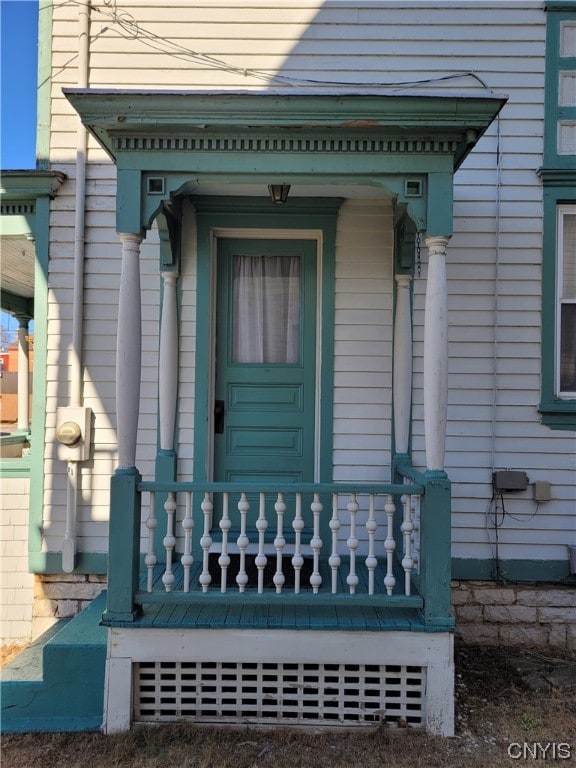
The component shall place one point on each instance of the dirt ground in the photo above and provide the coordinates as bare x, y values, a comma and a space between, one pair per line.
512, 707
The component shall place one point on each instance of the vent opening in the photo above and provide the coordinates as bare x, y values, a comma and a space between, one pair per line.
272, 693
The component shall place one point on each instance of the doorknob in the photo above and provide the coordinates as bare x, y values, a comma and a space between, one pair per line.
219, 417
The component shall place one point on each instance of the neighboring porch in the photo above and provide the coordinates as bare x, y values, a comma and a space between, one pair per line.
24, 207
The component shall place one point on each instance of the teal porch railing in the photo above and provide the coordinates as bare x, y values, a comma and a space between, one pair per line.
316, 543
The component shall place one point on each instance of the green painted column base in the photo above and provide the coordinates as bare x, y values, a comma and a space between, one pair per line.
124, 547
435, 533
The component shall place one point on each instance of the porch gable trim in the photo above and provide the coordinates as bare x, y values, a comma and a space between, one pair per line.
112, 114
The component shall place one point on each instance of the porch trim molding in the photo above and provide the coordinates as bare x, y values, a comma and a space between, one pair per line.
196, 138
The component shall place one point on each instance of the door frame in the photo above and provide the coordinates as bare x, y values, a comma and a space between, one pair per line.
310, 289
255, 218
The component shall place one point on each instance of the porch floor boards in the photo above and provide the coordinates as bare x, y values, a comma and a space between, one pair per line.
348, 618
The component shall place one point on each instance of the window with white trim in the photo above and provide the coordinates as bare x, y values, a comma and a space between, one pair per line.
558, 174
566, 302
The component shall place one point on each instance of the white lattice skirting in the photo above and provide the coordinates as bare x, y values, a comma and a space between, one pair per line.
280, 677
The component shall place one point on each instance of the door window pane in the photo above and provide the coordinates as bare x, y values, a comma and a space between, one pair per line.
266, 309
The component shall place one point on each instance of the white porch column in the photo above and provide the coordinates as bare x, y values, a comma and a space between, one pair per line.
168, 362
436, 354
23, 375
128, 351
402, 377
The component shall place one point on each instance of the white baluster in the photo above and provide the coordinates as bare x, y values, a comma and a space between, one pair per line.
224, 559
352, 544
389, 544
187, 559
169, 540
334, 559
261, 559
297, 559
279, 543
316, 544
407, 528
206, 542
415, 502
242, 541
371, 561
150, 560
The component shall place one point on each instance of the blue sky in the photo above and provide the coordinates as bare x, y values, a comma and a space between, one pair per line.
18, 81
18, 74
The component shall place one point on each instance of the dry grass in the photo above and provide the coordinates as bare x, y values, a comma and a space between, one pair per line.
9, 652
493, 711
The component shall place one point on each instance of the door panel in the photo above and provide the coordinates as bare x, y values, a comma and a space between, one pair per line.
266, 360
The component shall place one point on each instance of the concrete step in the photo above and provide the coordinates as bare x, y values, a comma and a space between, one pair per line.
28, 664
57, 684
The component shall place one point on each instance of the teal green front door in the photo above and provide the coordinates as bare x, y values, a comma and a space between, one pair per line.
264, 422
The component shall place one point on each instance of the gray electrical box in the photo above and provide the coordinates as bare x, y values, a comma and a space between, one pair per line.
541, 490
510, 480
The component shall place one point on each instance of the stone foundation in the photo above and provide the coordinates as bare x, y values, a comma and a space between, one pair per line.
60, 596
542, 616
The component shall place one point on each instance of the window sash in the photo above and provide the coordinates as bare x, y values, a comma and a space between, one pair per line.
266, 309
565, 373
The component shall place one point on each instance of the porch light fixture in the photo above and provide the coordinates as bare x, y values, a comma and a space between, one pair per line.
278, 193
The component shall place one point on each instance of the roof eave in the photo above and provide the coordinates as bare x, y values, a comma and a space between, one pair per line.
110, 113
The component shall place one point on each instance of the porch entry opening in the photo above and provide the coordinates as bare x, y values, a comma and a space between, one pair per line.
264, 418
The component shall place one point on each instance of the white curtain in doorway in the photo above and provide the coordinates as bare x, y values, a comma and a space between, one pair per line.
266, 309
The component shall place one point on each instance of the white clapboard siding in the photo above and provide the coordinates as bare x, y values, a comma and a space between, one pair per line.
494, 260
187, 351
363, 369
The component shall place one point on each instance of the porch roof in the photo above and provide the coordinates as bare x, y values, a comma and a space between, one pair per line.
461, 117
20, 225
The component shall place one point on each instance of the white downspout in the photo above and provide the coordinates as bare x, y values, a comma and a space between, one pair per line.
76, 351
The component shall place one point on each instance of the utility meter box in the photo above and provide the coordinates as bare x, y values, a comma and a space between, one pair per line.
510, 480
74, 432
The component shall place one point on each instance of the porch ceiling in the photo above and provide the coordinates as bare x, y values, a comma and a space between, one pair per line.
18, 255
20, 193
